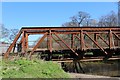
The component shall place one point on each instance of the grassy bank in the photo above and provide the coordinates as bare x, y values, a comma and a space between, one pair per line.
23, 68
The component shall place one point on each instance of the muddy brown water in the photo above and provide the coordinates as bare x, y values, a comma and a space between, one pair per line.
109, 68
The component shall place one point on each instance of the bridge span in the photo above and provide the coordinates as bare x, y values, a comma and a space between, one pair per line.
73, 42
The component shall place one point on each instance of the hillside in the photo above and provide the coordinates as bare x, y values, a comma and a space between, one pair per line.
32, 69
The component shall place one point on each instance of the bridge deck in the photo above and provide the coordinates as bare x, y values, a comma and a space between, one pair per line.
86, 59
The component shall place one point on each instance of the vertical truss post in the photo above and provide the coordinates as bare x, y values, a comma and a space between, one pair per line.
50, 45
23, 42
50, 41
110, 39
82, 40
95, 38
119, 41
26, 40
72, 41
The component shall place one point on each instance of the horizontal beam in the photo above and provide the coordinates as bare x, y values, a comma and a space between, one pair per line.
35, 29
70, 32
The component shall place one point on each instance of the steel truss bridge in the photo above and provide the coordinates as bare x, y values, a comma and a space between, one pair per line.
73, 42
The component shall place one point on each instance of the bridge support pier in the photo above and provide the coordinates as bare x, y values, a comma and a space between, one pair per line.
80, 54
78, 67
117, 52
50, 56
107, 56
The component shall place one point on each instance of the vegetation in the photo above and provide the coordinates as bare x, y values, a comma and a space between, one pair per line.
24, 68
84, 19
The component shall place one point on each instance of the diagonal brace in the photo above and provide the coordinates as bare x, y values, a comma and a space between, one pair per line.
103, 40
12, 45
96, 43
116, 36
80, 40
66, 44
58, 42
38, 43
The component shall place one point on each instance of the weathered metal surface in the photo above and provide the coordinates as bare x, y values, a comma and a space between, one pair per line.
88, 38
12, 45
38, 43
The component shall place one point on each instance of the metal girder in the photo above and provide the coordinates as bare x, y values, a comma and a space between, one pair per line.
66, 44
82, 31
70, 28
96, 43
14, 48
50, 41
58, 42
103, 40
26, 41
67, 32
23, 42
38, 43
72, 41
12, 45
110, 39
116, 36
80, 40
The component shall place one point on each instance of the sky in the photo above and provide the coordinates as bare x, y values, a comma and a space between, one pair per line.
59, 0
0, 12
18, 14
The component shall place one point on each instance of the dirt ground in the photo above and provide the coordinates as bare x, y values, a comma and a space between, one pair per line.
77, 75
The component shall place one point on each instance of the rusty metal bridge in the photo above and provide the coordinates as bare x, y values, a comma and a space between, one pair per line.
73, 42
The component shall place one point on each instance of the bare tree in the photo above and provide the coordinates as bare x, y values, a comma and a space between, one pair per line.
108, 20
6, 34
13, 33
0, 31
81, 18
70, 24
4, 31
78, 20
90, 22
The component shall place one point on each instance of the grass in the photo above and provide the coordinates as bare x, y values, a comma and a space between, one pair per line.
24, 68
